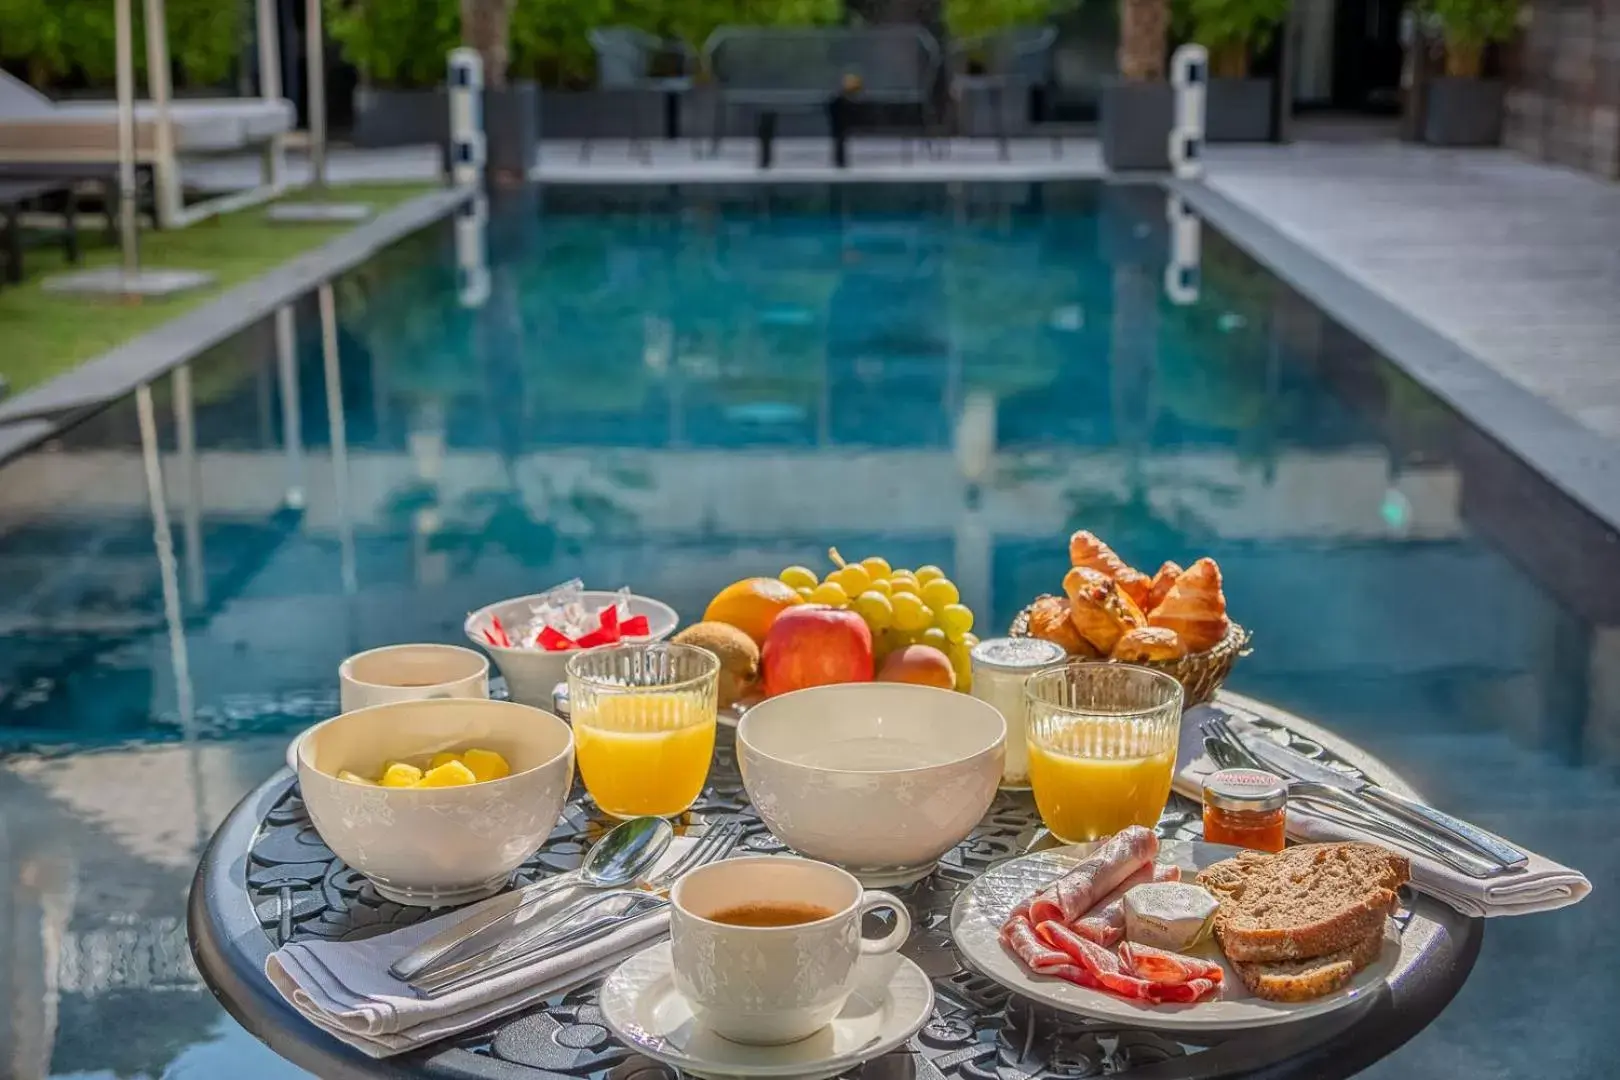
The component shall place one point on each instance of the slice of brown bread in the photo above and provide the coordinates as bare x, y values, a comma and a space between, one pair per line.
1302, 980
1305, 901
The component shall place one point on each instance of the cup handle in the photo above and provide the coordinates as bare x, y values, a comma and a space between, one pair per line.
872, 901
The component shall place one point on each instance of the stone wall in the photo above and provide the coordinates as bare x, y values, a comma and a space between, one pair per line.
1564, 104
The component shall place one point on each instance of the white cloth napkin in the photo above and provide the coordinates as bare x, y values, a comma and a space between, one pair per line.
1542, 886
344, 987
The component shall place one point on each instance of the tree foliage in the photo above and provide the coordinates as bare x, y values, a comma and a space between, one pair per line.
55, 41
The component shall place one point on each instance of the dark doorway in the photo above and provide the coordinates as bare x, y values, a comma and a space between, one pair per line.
1347, 56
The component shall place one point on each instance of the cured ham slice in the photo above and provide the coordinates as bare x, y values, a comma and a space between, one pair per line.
1105, 923
1186, 993
1019, 936
1094, 877
1167, 968
1102, 965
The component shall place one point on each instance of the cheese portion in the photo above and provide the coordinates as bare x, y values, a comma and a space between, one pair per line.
1168, 915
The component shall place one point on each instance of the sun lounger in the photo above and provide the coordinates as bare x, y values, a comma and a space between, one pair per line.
19, 195
34, 129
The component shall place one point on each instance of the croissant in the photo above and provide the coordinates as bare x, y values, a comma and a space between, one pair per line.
1195, 607
1149, 643
1088, 551
1049, 620
1162, 581
1099, 608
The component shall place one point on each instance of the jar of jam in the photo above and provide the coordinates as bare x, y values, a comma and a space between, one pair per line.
1246, 808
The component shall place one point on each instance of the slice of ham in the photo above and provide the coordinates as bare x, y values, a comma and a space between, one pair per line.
1186, 993
1102, 965
1019, 936
1105, 923
1097, 875
1167, 968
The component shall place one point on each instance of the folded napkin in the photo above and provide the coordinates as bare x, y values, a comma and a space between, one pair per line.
1542, 886
345, 988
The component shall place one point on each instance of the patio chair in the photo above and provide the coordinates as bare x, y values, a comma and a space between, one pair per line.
625, 60
1014, 64
36, 130
769, 68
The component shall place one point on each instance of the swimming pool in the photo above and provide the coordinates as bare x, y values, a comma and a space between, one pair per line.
675, 388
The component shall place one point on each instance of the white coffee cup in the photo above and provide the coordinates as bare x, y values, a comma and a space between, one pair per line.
405, 673
767, 985
411, 673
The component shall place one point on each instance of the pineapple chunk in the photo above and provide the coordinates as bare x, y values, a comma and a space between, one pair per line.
443, 757
399, 774
486, 764
355, 778
453, 774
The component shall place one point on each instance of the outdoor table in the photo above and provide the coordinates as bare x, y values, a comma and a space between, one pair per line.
266, 877
767, 105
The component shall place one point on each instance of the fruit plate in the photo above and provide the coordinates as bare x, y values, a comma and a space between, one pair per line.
983, 906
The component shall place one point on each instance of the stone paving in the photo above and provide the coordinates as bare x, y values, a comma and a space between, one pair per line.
1517, 262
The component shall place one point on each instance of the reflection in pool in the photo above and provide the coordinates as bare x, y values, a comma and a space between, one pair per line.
673, 389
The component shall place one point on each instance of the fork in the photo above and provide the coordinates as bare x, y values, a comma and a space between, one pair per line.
1228, 751
571, 927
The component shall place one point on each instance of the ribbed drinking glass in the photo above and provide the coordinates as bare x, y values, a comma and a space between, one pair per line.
644, 718
1102, 746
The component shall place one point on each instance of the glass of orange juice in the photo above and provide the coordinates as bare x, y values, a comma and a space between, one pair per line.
1102, 746
643, 719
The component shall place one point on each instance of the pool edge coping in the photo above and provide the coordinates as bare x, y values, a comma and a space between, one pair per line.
1579, 462
36, 414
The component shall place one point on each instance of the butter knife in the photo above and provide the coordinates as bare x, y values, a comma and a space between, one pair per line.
1297, 766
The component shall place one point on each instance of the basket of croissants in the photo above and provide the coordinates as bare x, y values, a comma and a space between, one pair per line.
1174, 621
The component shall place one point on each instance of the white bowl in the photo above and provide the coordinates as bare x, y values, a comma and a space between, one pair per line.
433, 846
533, 674
880, 778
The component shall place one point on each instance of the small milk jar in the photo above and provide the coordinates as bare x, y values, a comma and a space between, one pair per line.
1000, 666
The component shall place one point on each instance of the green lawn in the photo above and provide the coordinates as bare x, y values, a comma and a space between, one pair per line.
42, 335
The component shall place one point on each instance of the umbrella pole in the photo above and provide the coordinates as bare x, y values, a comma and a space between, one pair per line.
125, 45
315, 67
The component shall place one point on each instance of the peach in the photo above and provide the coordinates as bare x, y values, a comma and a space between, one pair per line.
920, 664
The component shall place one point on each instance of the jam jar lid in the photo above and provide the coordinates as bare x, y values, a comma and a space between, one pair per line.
1245, 789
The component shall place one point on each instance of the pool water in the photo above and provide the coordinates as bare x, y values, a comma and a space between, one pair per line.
672, 389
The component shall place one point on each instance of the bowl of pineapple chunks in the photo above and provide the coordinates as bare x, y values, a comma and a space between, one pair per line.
438, 801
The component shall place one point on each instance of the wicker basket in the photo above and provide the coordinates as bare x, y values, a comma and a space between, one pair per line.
1200, 674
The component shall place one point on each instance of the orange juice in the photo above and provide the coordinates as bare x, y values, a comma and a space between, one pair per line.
1086, 798
644, 753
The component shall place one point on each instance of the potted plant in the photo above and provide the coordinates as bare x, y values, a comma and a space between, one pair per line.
1138, 108
1238, 106
1462, 107
399, 48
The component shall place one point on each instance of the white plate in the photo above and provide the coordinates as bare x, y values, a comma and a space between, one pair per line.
891, 1002
982, 907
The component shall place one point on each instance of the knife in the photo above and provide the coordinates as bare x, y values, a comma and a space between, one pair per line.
1293, 764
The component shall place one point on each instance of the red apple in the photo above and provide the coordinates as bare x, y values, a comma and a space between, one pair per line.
920, 664
813, 645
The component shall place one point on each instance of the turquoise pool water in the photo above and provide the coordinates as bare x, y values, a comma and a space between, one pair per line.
674, 389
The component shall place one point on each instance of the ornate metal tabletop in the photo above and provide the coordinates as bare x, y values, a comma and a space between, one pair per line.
267, 878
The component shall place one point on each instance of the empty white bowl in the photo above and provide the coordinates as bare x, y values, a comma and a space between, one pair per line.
533, 674
879, 778
433, 846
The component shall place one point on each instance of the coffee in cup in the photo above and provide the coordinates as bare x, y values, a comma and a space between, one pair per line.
765, 948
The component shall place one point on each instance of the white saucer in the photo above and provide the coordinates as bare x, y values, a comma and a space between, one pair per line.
891, 1002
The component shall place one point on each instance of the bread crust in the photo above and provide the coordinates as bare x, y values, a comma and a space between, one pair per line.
1303, 980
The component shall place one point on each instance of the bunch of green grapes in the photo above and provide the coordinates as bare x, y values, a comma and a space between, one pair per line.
901, 607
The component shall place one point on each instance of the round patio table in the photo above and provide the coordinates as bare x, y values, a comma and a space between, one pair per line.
266, 878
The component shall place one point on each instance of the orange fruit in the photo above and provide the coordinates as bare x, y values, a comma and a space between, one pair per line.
752, 604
